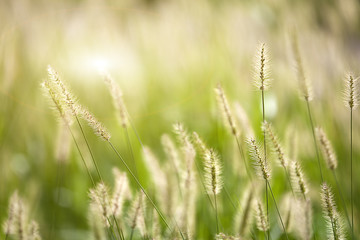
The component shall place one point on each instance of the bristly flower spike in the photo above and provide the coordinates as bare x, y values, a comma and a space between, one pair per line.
225, 108
117, 96
262, 75
261, 167
351, 94
213, 170
326, 149
334, 221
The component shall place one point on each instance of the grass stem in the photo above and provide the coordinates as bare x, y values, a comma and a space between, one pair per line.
266, 191
216, 214
277, 209
351, 173
314, 137
139, 184
341, 197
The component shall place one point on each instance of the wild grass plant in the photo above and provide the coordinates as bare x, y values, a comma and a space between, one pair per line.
152, 151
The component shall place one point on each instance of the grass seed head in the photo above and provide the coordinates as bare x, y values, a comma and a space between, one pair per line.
100, 198
261, 220
96, 126
117, 96
304, 83
275, 143
121, 192
225, 109
261, 166
333, 218
327, 149
213, 172
351, 94
262, 74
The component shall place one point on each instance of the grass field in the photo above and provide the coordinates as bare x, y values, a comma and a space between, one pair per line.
187, 90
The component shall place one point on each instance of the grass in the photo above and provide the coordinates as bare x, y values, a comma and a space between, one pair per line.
166, 59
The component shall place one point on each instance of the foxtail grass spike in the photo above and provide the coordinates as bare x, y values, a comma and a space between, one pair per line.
261, 219
261, 167
304, 83
225, 109
326, 148
262, 73
121, 192
96, 126
117, 96
351, 99
332, 216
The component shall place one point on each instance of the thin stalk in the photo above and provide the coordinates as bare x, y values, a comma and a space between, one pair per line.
181, 233
314, 137
58, 183
142, 147
342, 198
83, 160
131, 151
229, 197
121, 235
202, 183
312, 224
216, 215
288, 178
266, 191
82, 157
139, 184
88, 146
243, 157
332, 226
93, 159
277, 209
351, 174
132, 233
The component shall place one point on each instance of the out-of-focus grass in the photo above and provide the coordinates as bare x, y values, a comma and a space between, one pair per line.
167, 57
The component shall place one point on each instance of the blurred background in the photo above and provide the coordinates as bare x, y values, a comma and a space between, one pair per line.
167, 57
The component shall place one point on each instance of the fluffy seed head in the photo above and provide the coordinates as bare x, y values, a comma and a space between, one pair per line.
351, 94
298, 179
137, 217
95, 220
34, 231
121, 192
66, 94
307, 220
326, 149
59, 103
262, 76
158, 176
225, 109
275, 143
187, 214
244, 215
223, 236
304, 84
117, 96
261, 167
187, 147
100, 198
287, 210
213, 171
199, 143
261, 220
96, 126
335, 223
172, 155
17, 216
